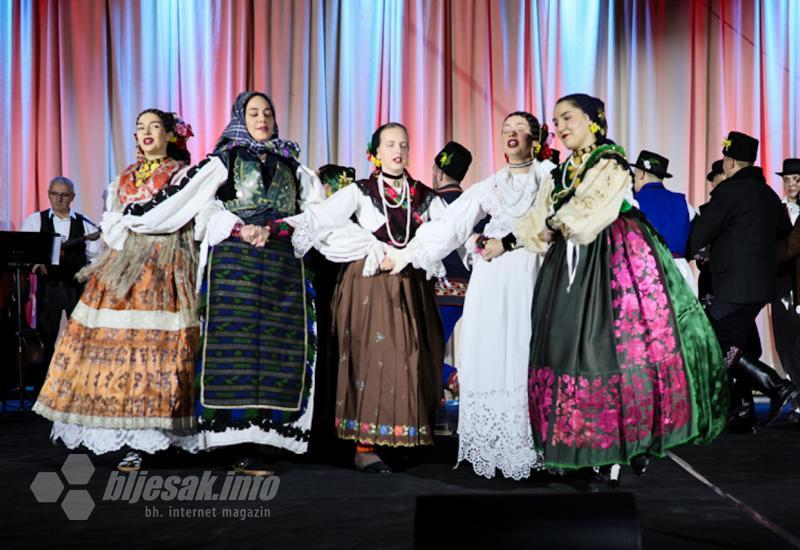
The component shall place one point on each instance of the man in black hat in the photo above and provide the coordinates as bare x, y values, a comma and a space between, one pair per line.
669, 212
449, 168
716, 175
741, 224
704, 292
786, 308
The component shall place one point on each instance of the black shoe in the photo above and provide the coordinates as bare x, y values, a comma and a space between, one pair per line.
742, 412
639, 464
379, 467
763, 378
606, 479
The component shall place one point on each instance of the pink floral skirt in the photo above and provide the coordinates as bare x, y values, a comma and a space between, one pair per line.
623, 360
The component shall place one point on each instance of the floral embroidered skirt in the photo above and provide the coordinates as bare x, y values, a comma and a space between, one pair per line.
623, 359
391, 351
123, 369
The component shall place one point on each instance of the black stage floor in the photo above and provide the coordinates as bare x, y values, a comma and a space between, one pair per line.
327, 506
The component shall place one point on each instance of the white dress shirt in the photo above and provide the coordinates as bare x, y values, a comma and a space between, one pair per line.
33, 223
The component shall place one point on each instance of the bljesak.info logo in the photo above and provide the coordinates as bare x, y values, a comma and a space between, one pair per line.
171, 496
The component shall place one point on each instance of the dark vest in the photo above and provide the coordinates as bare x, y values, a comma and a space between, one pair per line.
74, 258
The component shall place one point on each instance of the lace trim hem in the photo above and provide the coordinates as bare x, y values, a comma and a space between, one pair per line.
495, 433
105, 440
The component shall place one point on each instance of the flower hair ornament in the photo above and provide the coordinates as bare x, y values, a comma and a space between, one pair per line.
542, 149
373, 159
595, 128
183, 131
726, 143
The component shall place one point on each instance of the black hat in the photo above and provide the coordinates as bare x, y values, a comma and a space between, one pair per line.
716, 169
336, 177
653, 163
740, 146
790, 166
454, 160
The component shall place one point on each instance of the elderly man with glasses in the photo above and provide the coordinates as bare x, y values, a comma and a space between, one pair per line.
57, 289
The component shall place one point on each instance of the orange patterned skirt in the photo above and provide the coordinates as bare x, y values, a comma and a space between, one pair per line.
127, 362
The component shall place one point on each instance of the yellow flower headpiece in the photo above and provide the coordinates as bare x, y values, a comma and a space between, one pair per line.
726, 143
595, 128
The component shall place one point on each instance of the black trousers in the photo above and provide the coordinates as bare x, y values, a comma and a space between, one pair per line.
53, 297
735, 327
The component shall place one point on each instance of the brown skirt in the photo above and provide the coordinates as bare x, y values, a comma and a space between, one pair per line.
391, 350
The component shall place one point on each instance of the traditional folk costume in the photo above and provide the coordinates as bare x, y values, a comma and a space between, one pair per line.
387, 326
740, 225
785, 310
123, 370
623, 360
493, 425
670, 213
454, 161
255, 375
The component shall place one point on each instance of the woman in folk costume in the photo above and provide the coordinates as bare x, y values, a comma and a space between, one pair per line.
256, 366
624, 363
387, 326
494, 429
123, 371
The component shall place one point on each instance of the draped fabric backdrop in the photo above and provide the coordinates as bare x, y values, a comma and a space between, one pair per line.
676, 75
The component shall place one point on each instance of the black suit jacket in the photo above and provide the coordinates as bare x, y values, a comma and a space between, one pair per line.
741, 223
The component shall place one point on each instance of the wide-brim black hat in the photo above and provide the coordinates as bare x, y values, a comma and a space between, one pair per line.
716, 169
454, 160
740, 146
653, 163
790, 167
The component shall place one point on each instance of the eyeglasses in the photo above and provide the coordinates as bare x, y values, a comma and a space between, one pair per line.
60, 195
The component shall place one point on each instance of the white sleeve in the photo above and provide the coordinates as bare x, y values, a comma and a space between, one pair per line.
311, 189
196, 188
93, 248
328, 227
692, 210
437, 238
318, 219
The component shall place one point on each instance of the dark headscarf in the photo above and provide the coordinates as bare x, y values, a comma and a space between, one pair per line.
595, 109
236, 134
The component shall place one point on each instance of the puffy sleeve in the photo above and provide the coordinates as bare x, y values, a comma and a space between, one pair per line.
311, 189
595, 204
533, 223
328, 227
190, 196
450, 228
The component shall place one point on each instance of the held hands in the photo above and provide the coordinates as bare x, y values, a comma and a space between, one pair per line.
387, 263
256, 235
547, 236
491, 249
394, 261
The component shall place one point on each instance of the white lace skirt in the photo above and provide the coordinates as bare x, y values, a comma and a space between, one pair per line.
105, 440
494, 428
